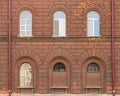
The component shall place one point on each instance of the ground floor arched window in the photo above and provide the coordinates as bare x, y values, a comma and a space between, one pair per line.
25, 75
59, 78
93, 76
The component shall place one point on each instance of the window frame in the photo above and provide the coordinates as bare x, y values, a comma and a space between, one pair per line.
93, 19
58, 70
25, 25
59, 33
32, 83
93, 71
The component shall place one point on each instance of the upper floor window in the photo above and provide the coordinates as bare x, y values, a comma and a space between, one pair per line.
59, 24
59, 67
25, 23
25, 75
93, 67
93, 24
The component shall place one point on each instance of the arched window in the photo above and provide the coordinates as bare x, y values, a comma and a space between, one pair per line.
93, 67
25, 23
59, 24
59, 67
93, 24
26, 75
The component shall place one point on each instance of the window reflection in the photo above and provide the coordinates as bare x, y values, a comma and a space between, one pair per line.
93, 67
59, 67
25, 75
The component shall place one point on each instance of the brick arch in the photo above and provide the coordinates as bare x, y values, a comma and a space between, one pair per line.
60, 56
97, 78
59, 53
100, 10
94, 53
25, 7
27, 53
59, 7
17, 14
98, 56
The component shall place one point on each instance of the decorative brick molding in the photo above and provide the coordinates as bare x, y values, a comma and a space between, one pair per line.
94, 53
26, 53
60, 52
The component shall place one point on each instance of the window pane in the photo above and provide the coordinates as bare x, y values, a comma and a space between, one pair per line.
96, 28
22, 28
59, 15
25, 75
93, 67
22, 22
59, 67
90, 28
29, 22
93, 24
62, 27
25, 23
28, 33
29, 28
25, 15
59, 23
56, 27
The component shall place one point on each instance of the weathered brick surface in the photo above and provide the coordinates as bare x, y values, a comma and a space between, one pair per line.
76, 50
117, 46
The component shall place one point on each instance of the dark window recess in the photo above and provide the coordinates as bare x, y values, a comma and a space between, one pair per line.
59, 67
93, 67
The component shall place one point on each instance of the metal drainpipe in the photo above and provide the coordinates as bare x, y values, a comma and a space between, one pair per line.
9, 48
113, 51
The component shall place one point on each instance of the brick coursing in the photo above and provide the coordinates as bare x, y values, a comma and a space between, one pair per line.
75, 50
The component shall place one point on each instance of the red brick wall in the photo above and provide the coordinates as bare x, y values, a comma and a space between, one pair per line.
75, 50
3, 45
42, 49
117, 46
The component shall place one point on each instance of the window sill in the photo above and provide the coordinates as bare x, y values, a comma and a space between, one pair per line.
25, 87
58, 36
25, 36
94, 36
96, 87
54, 87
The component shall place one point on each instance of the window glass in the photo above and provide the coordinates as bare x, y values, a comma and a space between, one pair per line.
59, 67
59, 23
93, 24
25, 23
25, 75
93, 67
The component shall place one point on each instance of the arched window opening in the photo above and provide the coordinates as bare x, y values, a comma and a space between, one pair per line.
93, 24
59, 24
93, 67
26, 75
25, 23
59, 67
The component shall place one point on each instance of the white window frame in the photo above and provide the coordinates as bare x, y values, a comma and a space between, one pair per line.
26, 32
25, 76
62, 26
93, 25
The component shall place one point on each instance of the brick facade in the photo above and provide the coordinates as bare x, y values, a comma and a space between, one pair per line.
76, 50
